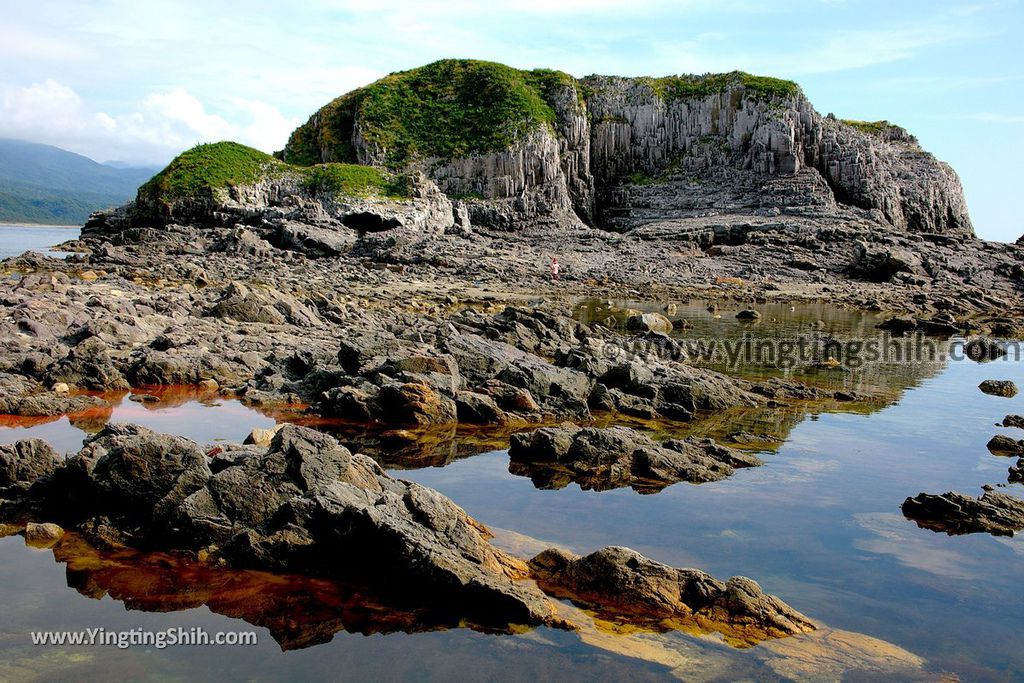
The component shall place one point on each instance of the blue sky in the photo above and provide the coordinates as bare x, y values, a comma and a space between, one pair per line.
139, 81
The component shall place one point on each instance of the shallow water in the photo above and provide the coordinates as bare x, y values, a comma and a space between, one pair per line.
819, 525
17, 239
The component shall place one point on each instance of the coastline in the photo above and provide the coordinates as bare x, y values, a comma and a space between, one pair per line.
69, 226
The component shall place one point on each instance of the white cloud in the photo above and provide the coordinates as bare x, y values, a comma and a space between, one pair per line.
153, 131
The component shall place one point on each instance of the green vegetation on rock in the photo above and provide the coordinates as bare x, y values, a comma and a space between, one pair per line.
640, 178
454, 108
352, 180
671, 88
205, 170
869, 127
447, 109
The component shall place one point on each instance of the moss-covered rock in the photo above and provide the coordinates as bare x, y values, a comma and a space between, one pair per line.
205, 169
447, 109
208, 172
670, 88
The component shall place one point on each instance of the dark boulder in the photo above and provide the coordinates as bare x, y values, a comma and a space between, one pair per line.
954, 513
997, 387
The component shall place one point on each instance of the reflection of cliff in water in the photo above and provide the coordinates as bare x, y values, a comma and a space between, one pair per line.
299, 611
826, 331
303, 612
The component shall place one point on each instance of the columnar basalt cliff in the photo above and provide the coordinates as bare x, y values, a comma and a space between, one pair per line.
619, 152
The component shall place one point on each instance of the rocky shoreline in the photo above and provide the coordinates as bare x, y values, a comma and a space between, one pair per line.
410, 314
306, 505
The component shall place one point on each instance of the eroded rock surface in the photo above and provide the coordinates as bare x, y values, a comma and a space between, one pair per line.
999, 387
300, 504
619, 583
995, 513
603, 459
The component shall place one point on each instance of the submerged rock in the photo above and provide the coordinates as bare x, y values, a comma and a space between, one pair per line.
42, 535
994, 513
622, 585
1000, 444
649, 322
999, 387
602, 459
1017, 472
1014, 421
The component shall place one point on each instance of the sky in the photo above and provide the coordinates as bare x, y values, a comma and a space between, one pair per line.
139, 82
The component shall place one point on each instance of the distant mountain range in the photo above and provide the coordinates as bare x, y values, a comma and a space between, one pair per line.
46, 184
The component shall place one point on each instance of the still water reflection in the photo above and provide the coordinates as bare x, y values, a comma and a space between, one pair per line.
818, 524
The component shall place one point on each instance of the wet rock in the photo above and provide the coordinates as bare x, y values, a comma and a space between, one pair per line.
602, 459
1000, 444
298, 505
1017, 472
474, 408
620, 584
954, 513
899, 324
649, 322
414, 403
996, 387
44, 535
1014, 421
744, 438
748, 314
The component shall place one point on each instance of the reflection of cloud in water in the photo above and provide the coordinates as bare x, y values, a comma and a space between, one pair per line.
827, 654
893, 536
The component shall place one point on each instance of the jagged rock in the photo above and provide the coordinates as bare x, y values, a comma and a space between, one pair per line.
997, 387
298, 505
244, 304
1014, 421
413, 403
994, 513
602, 459
1000, 444
882, 264
88, 365
24, 397
1017, 472
23, 462
620, 584
474, 408
263, 437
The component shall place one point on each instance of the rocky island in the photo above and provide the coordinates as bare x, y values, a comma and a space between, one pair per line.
389, 269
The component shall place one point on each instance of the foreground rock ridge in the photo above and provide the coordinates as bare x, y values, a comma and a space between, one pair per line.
307, 505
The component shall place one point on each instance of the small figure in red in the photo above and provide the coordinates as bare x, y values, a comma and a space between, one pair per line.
554, 268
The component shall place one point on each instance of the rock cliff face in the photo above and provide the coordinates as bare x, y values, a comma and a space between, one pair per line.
621, 152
